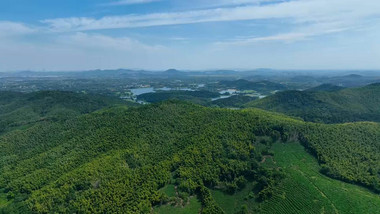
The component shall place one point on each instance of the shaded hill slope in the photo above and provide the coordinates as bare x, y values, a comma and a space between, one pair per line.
326, 87
346, 105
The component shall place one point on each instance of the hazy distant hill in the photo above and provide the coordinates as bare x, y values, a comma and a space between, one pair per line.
352, 80
326, 87
296, 78
346, 105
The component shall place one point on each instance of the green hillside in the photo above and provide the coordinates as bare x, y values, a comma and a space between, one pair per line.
177, 157
130, 154
306, 190
18, 110
349, 152
346, 105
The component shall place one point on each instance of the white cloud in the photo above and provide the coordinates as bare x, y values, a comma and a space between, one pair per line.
301, 33
76, 51
159, 19
179, 38
285, 37
70, 46
83, 51
129, 2
102, 42
13, 28
298, 11
307, 18
223, 3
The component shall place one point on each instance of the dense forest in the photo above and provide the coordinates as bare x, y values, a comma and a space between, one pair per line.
189, 107
18, 110
176, 155
128, 154
198, 97
349, 152
336, 106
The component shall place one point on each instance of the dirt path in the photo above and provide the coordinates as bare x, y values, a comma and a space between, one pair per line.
177, 195
265, 157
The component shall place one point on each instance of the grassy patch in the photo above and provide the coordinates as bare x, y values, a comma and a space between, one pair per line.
193, 207
169, 190
306, 190
3, 200
232, 203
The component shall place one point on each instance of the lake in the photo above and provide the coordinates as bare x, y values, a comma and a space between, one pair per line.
139, 91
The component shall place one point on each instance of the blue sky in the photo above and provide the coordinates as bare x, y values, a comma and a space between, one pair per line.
189, 34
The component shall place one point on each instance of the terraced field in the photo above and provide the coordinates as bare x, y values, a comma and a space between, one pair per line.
306, 190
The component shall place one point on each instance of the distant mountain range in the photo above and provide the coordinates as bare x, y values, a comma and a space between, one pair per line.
335, 77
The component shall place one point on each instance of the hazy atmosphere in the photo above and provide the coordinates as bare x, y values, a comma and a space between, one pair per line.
190, 106
195, 34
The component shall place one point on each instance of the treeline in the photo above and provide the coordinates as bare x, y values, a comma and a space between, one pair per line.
349, 152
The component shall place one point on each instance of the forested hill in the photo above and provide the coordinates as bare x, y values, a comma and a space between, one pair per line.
326, 87
18, 110
346, 105
175, 157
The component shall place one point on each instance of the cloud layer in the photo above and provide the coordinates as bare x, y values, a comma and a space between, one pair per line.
301, 11
14, 28
71, 43
128, 2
